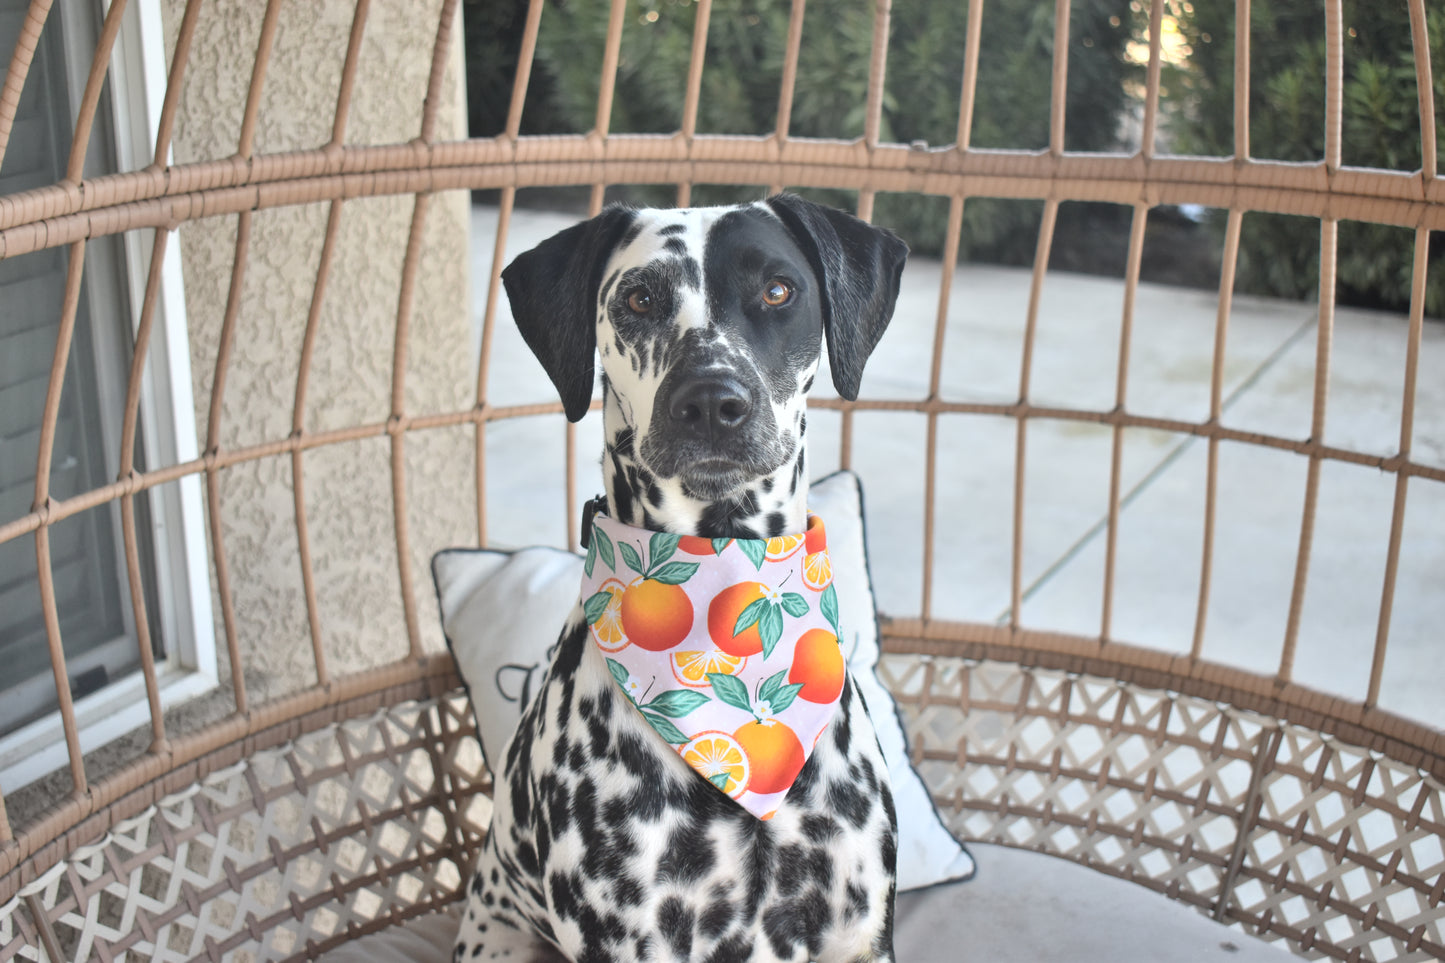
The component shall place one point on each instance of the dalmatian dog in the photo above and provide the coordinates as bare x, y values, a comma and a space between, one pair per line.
604, 844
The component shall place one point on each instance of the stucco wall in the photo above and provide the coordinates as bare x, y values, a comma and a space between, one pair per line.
348, 487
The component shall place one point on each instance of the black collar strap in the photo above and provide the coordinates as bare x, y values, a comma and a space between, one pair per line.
598, 503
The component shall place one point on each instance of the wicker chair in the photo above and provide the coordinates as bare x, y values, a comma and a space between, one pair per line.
328, 796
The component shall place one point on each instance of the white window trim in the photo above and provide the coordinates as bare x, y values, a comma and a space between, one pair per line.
167, 420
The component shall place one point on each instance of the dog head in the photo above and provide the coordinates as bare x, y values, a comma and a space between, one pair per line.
708, 323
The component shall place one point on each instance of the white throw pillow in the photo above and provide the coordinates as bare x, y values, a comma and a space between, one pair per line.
502, 613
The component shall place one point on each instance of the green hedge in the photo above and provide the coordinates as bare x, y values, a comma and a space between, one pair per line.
1278, 256
743, 70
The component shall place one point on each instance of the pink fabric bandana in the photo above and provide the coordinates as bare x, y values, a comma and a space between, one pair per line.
728, 647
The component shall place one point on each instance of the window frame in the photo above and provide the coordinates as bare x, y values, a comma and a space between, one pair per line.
183, 614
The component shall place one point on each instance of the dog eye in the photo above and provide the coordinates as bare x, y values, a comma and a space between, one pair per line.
640, 300
777, 293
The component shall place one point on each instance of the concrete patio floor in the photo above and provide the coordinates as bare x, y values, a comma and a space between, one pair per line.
1268, 387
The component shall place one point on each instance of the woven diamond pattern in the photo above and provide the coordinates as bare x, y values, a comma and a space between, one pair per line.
347, 828
1335, 849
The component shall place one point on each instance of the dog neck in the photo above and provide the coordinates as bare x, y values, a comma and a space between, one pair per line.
771, 505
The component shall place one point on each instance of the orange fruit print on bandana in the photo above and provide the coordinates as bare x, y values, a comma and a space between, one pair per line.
728, 647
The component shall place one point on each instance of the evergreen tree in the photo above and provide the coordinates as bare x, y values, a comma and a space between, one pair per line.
1279, 254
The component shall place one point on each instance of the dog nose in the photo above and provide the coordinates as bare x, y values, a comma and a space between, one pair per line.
711, 406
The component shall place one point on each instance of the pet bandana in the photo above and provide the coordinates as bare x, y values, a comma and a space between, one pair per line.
728, 647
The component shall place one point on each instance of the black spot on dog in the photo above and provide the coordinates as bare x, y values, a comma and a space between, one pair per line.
819, 827
758, 856
734, 949
767, 484
527, 857
849, 802
690, 270
723, 519
808, 385
564, 667
791, 869
802, 789
672, 229
842, 732
675, 246
775, 524
559, 803
689, 855
598, 933
857, 904
621, 494
716, 918
626, 890
639, 759
883, 942
888, 850
800, 920
565, 888
584, 806
675, 921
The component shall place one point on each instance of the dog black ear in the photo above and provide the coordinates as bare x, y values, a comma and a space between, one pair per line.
860, 267
553, 292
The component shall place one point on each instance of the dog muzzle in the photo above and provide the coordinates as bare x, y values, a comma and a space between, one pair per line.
727, 647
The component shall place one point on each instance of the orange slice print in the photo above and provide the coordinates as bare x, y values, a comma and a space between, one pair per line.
720, 759
692, 668
784, 546
607, 630
817, 571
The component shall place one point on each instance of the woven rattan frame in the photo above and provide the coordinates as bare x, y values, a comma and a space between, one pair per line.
1304, 817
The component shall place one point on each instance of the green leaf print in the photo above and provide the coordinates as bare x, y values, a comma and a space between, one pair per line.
674, 573
620, 673
771, 685
604, 548
667, 730
629, 555
828, 605
770, 628
718, 544
677, 702
660, 548
794, 604
749, 616
784, 697
755, 549
593, 608
730, 689
591, 558
720, 780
